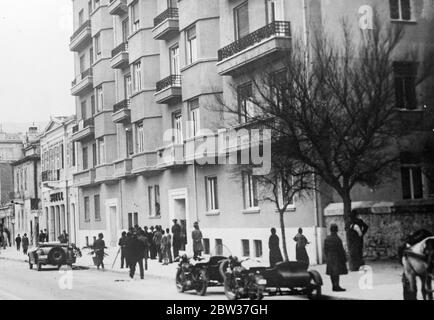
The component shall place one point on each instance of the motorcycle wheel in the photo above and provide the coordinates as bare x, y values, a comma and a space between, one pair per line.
202, 283
230, 289
180, 281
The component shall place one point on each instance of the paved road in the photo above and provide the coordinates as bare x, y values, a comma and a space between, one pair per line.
17, 282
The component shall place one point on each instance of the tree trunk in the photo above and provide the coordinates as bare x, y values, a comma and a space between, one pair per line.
282, 229
346, 198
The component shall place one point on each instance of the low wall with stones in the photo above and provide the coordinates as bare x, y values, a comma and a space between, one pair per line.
386, 230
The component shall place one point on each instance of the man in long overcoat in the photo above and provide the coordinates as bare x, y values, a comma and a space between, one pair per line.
177, 239
336, 257
196, 235
273, 245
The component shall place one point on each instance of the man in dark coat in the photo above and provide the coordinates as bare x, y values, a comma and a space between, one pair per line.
18, 242
98, 247
46, 235
135, 254
358, 229
336, 257
142, 237
196, 235
158, 237
152, 246
122, 243
273, 245
25, 243
177, 239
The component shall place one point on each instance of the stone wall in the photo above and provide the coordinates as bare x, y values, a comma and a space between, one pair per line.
386, 231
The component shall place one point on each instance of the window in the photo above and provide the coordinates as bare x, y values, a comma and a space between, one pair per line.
99, 99
194, 117
129, 142
140, 138
405, 85
218, 247
130, 220
85, 159
411, 176
73, 153
86, 209
97, 46
101, 149
241, 19
150, 200
246, 109
206, 246
174, 60
278, 86
136, 218
82, 63
246, 248
211, 193
89, 7
128, 86
92, 104
250, 190
177, 126
83, 110
81, 17
96, 201
137, 67
286, 190
91, 53
125, 30
191, 45
94, 155
157, 201
135, 20
274, 10
400, 10
258, 248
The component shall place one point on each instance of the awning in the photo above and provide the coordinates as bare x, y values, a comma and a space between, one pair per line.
337, 209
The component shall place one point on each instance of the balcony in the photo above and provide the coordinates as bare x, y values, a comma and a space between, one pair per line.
118, 7
263, 45
122, 112
104, 173
83, 83
169, 90
120, 59
171, 156
81, 37
122, 168
84, 178
84, 130
166, 24
145, 162
51, 175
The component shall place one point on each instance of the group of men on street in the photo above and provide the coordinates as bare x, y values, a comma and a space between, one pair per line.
24, 241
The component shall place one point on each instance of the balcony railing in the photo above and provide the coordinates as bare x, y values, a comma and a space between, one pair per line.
124, 104
83, 75
51, 175
75, 129
276, 28
170, 13
123, 47
170, 81
88, 122
85, 25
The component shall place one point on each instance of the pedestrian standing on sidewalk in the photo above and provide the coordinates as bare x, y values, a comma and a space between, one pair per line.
158, 236
25, 243
300, 248
142, 237
164, 248
196, 235
46, 235
273, 245
98, 247
358, 229
177, 238
18, 242
152, 247
135, 254
122, 243
336, 257
169, 246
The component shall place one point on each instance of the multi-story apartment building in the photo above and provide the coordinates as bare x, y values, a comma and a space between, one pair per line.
27, 192
151, 75
58, 162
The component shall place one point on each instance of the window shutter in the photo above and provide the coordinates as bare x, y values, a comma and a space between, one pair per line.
394, 9
405, 181
417, 183
405, 10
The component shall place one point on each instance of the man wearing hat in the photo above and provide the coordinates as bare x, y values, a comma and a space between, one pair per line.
196, 235
176, 243
336, 257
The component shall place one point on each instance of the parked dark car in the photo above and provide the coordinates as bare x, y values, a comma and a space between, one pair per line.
55, 254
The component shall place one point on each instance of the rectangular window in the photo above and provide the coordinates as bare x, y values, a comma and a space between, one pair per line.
157, 200
130, 220
140, 138
194, 117
241, 20
101, 149
92, 104
73, 153
97, 46
99, 99
246, 248
411, 179
287, 189
274, 10
218, 247
89, 7
128, 86
81, 17
250, 190
246, 108
174, 60
91, 55
258, 248
400, 10
136, 218
129, 143
86, 209
82, 63
405, 85
83, 110
125, 30
96, 201
137, 67
206, 246
191, 45
94, 155
211, 193
135, 20
177, 126
150, 200
85, 159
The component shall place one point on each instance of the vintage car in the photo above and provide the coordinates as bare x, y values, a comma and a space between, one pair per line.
53, 253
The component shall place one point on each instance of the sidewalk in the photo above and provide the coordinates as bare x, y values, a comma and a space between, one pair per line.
382, 281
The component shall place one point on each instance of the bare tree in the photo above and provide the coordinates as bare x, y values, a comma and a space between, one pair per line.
337, 114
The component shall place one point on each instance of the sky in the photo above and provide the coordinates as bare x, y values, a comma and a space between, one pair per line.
36, 66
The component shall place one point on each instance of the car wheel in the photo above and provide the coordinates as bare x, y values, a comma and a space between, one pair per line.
316, 283
56, 256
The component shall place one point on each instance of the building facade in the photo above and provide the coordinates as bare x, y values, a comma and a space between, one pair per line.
150, 77
58, 163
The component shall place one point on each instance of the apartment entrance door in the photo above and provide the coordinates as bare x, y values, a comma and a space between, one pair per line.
179, 209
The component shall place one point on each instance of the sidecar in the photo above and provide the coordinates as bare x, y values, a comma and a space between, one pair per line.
293, 278
211, 265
